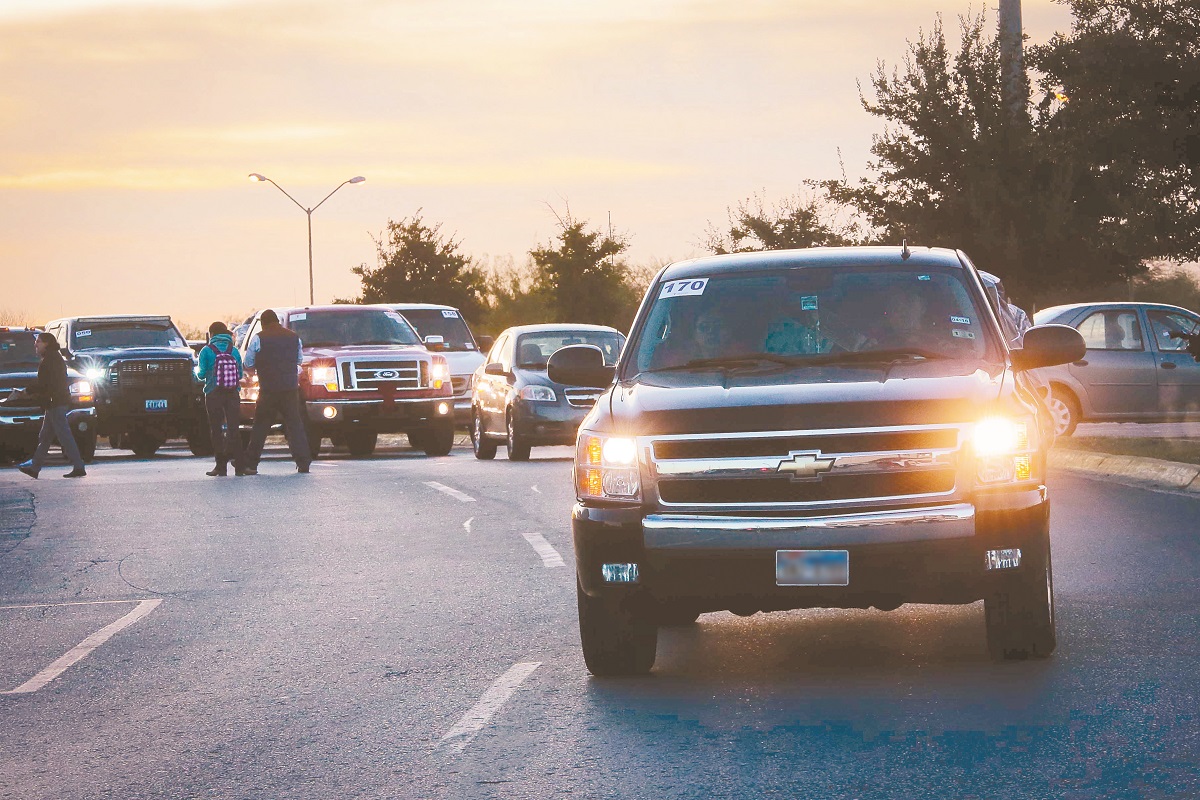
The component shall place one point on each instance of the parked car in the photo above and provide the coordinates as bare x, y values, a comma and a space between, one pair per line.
21, 419
364, 372
829, 427
444, 330
143, 374
515, 403
1135, 369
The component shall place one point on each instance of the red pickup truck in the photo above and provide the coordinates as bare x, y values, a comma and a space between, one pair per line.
364, 372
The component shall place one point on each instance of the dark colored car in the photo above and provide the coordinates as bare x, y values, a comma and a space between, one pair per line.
21, 420
144, 375
364, 372
513, 400
834, 427
1136, 368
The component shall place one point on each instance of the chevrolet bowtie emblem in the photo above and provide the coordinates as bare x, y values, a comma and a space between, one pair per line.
805, 466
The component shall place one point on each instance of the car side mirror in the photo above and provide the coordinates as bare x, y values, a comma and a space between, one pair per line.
495, 368
580, 365
1048, 346
435, 342
484, 343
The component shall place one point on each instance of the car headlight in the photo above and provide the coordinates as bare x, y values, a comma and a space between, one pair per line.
95, 373
81, 391
606, 468
324, 376
543, 394
1002, 449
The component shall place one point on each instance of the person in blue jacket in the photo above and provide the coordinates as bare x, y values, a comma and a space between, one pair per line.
221, 370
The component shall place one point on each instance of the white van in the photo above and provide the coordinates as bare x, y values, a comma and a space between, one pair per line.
445, 331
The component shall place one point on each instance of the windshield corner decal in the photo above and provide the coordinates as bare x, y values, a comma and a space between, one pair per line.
684, 288
83, 333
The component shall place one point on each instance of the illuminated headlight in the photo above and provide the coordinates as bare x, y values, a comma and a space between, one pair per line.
81, 391
1002, 450
439, 370
543, 394
97, 373
324, 376
606, 468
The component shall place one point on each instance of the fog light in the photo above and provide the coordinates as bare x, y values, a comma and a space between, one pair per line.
329, 412
1008, 558
83, 426
619, 573
443, 408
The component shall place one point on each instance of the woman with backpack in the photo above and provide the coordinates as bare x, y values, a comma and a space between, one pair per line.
221, 370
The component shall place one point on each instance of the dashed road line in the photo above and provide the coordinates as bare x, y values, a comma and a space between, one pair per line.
471, 723
85, 648
467, 524
535, 489
550, 556
455, 493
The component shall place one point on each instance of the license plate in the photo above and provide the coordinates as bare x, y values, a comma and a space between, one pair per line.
812, 567
156, 405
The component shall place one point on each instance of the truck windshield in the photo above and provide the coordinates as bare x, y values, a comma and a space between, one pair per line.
351, 327
444, 322
93, 335
534, 349
16, 352
816, 315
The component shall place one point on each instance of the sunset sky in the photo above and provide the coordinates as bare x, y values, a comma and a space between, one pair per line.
128, 129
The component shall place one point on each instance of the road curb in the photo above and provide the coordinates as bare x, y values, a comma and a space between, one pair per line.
1167, 474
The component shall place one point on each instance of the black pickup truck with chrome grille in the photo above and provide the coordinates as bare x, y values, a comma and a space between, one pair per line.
144, 377
834, 427
364, 372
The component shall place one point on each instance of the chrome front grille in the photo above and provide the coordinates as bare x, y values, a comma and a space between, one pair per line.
365, 374
172, 373
582, 398
799, 469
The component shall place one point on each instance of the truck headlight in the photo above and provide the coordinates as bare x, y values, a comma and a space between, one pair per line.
324, 376
95, 373
81, 391
542, 394
606, 468
1002, 450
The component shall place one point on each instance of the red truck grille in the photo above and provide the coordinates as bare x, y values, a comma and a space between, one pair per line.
400, 374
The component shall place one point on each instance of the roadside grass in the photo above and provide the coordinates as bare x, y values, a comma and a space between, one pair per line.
1183, 450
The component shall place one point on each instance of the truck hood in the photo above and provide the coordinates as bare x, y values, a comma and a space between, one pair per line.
806, 398
462, 362
103, 355
366, 351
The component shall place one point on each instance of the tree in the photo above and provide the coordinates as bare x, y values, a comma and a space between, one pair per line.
416, 263
795, 222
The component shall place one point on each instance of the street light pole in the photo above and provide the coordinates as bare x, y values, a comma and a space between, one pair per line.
257, 178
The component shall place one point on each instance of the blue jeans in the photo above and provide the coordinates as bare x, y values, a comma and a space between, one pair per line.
56, 427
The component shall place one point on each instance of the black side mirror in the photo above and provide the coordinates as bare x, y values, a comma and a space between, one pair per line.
580, 365
495, 368
485, 343
1048, 346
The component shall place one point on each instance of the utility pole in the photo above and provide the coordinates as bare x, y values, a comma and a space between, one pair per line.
1012, 64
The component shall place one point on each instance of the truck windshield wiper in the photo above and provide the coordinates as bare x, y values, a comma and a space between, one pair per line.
875, 356
746, 360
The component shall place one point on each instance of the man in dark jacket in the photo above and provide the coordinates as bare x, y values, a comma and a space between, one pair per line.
221, 370
53, 393
274, 355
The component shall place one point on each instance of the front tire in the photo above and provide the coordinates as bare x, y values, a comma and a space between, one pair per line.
438, 440
144, 444
616, 639
86, 442
518, 447
1020, 615
361, 443
484, 448
200, 443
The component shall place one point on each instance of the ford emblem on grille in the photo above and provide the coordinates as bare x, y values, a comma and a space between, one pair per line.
387, 374
805, 466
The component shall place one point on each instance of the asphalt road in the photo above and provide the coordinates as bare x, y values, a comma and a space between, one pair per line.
398, 627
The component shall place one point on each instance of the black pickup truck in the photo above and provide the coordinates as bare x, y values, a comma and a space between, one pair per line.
21, 420
144, 375
840, 427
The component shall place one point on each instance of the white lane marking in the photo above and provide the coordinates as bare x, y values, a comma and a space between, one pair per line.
534, 487
77, 603
550, 556
467, 524
84, 648
492, 701
455, 493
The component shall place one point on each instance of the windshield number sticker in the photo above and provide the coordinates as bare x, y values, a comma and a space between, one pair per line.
924, 278
299, 317
961, 320
83, 333
176, 342
808, 303
962, 334
450, 313
684, 288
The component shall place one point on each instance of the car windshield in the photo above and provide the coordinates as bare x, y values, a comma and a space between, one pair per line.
16, 352
92, 335
444, 322
534, 349
351, 327
810, 315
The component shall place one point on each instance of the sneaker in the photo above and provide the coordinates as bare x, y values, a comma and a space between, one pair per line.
27, 468
78, 472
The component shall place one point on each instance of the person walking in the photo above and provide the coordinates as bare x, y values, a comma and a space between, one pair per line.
274, 355
221, 370
53, 392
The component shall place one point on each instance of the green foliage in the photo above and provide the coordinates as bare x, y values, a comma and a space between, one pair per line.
794, 222
417, 264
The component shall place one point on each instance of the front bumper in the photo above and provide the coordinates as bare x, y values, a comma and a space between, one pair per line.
380, 416
543, 423
933, 554
21, 426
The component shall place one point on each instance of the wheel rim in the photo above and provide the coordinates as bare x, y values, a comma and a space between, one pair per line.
512, 438
1060, 412
476, 433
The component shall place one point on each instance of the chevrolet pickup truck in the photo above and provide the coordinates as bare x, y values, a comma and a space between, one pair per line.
364, 372
834, 427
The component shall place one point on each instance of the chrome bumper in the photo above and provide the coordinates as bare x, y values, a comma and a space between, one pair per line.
694, 532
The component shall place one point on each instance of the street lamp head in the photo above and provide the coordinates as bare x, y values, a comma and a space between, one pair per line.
358, 179
255, 177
